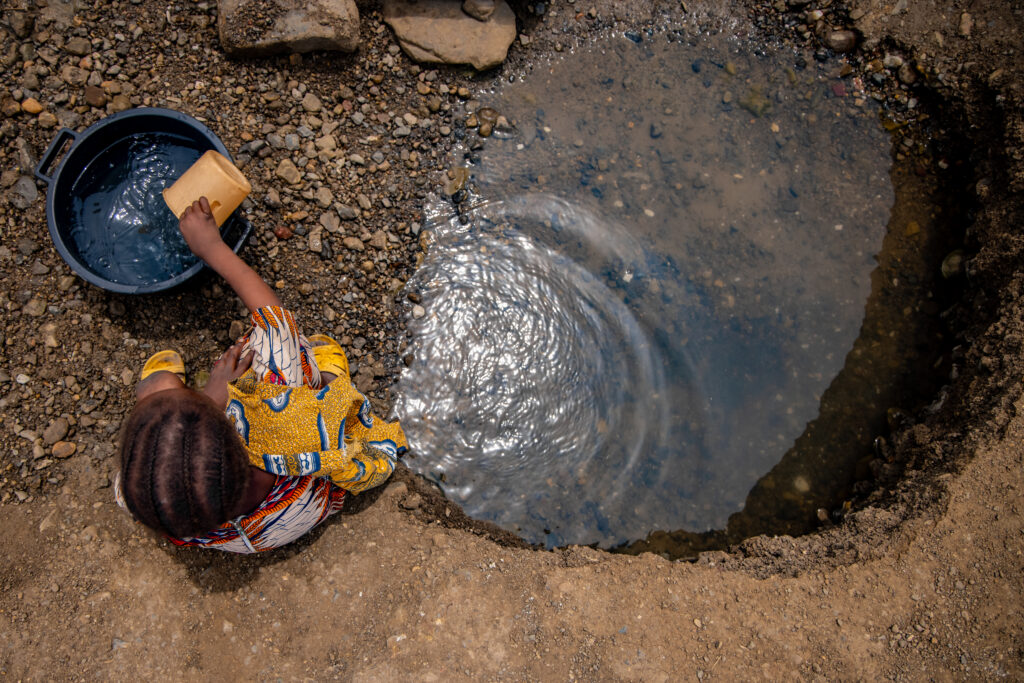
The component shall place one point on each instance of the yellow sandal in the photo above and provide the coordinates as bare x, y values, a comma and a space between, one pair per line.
164, 361
328, 355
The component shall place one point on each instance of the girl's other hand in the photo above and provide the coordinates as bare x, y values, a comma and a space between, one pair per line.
200, 229
229, 367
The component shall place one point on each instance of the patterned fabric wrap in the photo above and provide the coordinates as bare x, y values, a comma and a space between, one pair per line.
300, 429
294, 506
283, 356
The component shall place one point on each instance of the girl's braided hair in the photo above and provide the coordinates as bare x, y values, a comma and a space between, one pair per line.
183, 467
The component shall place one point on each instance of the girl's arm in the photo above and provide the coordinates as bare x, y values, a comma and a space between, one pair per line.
203, 238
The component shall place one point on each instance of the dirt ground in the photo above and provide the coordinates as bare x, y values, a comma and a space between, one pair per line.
921, 580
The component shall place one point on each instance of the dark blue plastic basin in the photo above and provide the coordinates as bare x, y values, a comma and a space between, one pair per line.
75, 208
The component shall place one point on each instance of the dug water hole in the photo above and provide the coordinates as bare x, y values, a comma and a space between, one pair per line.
672, 300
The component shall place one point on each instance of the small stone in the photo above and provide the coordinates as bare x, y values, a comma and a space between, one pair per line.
481, 10
236, 329
95, 96
315, 239
21, 23
282, 232
56, 431
364, 202
418, 312
354, 243
127, 377
24, 193
413, 501
892, 61
324, 197
311, 103
120, 103
906, 74
379, 240
331, 222
841, 41
346, 213
47, 120
10, 107
35, 307
966, 24
64, 449
72, 75
287, 172
31, 105
953, 264
78, 46
326, 143
366, 267
402, 132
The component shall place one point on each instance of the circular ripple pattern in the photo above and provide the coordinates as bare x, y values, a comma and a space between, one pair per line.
527, 373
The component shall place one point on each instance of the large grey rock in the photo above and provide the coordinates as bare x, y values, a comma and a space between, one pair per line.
439, 31
252, 28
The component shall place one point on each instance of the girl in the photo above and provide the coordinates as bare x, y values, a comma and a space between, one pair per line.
268, 449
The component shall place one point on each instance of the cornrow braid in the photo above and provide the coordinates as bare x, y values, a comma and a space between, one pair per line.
183, 467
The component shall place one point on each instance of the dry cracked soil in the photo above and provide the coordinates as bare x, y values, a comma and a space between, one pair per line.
920, 579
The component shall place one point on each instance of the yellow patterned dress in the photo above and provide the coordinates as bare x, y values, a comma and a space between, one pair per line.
291, 426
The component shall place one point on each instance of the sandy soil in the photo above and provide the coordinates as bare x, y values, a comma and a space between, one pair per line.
922, 580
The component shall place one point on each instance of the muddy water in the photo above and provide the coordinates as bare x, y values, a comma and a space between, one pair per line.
653, 275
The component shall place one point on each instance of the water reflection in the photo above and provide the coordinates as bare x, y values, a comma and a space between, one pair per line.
665, 269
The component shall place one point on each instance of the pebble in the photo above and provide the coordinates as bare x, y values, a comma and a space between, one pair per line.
287, 172
282, 232
346, 213
418, 311
95, 96
354, 243
31, 105
324, 197
35, 307
402, 132
120, 103
78, 46
315, 239
413, 501
24, 192
56, 431
966, 24
331, 222
64, 449
311, 103
47, 120
841, 41
892, 61
906, 74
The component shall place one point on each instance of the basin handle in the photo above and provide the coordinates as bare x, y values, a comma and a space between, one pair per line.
56, 145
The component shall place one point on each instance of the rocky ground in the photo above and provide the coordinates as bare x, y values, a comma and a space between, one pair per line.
921, 580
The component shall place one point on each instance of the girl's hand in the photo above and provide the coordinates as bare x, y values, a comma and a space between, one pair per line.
200, 229
229, 367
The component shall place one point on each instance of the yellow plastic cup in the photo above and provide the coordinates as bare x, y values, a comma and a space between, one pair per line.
213, 176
